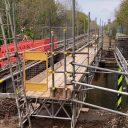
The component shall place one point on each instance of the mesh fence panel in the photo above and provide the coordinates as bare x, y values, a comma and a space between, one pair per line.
35, 71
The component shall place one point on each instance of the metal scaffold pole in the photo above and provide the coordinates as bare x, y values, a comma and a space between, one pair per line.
100, 26
88, 40
102, 33
13, 30
88, 34
73, 55
73, 34
102, 69
96, 27
96, 35
98, 38
101, 36
17, 80
65, 69
52, 55
8, 58
52, 62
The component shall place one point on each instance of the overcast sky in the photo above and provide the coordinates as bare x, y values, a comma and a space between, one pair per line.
104, 9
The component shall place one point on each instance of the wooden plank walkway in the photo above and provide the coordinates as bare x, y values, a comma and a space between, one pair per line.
59, 77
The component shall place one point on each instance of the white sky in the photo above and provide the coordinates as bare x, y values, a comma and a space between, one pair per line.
104, 9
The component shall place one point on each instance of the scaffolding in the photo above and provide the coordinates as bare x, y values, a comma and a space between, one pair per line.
61, 89
28, 106
40, 90
6, 22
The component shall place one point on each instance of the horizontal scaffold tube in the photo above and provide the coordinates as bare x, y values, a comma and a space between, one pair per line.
102, 69
9, 76
31, 49
99, 107
101, 88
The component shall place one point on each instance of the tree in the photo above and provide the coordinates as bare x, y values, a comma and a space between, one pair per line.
35, 13
82, 20
32, 15
122, 15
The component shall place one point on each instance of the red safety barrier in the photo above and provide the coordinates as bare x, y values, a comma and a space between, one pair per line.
24, 45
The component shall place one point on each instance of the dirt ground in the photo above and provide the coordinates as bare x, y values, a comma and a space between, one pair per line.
92, 119
9, 122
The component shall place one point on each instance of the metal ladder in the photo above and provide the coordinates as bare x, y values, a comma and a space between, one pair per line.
17, 80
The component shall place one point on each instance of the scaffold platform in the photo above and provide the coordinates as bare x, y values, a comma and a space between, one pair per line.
60, 88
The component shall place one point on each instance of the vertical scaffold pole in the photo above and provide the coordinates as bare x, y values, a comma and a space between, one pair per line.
88, 34
88, 39
52, 61
77, 28
73, 34
73, 55
95, 34
17, 81
10, 65
52, 55
95, 27
102, 33
65, 69
97, 37
13, 30
66, 31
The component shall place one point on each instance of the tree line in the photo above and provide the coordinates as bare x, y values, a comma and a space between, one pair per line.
34, 15
33, 18
120, 24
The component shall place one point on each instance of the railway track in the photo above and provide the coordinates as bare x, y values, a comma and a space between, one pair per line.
80, 41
